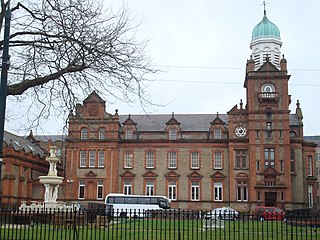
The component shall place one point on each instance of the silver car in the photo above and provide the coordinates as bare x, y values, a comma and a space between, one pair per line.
224, 213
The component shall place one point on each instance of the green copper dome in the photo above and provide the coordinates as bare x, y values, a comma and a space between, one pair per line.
265, 29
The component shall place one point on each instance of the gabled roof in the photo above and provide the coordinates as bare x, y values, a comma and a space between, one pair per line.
93, 97
188, 122
173, 121
268, 67
217, 121
129, 121
21, 143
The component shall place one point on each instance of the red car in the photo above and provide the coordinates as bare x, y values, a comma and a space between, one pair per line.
270, 213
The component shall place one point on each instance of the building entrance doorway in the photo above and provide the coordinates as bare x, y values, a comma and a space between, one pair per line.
270, 199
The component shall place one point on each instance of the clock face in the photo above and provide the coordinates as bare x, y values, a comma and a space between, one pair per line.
241, 131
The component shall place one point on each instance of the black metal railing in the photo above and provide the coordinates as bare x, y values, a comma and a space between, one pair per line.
173, 224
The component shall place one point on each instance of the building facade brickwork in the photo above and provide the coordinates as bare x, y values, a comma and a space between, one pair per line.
255, 154
23, 162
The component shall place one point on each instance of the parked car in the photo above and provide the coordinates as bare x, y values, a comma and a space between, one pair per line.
269, 213
225, 213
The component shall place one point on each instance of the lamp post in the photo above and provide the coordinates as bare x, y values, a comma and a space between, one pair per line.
3, 87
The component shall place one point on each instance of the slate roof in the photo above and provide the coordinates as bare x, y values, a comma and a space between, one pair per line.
53, 138
21, 143
157, 122
315, 139
189, 122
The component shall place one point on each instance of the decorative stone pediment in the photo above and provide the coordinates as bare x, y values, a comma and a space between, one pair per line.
127, 174
129, 121
217, 121
150, 174
195, 174
91, 174
269, 67
242, 176
270, 171
172, 174
94, 98
218, 175
172, 121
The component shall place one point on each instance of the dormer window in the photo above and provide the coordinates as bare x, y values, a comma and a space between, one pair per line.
217, 134
84, 133
129, 133
102, 133
173, 134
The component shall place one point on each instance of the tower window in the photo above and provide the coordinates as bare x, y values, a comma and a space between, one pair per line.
269, 157
269, 125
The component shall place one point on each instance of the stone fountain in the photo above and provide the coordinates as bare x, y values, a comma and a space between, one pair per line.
51, 183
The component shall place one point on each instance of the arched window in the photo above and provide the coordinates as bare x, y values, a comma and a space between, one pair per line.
217, 134
129, 133
293, 134
102, 133
84, 133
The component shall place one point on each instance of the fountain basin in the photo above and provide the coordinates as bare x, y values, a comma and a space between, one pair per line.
52, 180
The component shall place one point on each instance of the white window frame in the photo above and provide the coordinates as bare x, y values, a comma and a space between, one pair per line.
172, 160
129, 133
127, 187
92, 158
102, 133
128, 160
101, 158
100, 189
83, 158
150, 159
310, 167
218, 191
217, 133
195, 191
310, 196
195, 160
217, 162
172, 190
269, 157
172, 134
81, 190
150, 188
242, 191
84, 133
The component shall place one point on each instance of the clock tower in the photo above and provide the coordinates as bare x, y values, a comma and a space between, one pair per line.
268, 117
267, 153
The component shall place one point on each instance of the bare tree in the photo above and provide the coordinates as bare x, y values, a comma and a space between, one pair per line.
61, 50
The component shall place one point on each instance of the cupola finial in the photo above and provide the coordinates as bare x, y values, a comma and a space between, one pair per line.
264, 7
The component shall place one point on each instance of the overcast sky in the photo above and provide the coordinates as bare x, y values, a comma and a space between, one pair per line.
204, 45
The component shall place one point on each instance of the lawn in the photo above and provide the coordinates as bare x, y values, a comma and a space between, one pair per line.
149, 229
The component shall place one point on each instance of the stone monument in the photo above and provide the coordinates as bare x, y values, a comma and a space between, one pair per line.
51, 183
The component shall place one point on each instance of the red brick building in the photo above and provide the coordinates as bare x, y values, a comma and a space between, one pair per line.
252, 155
23, 162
